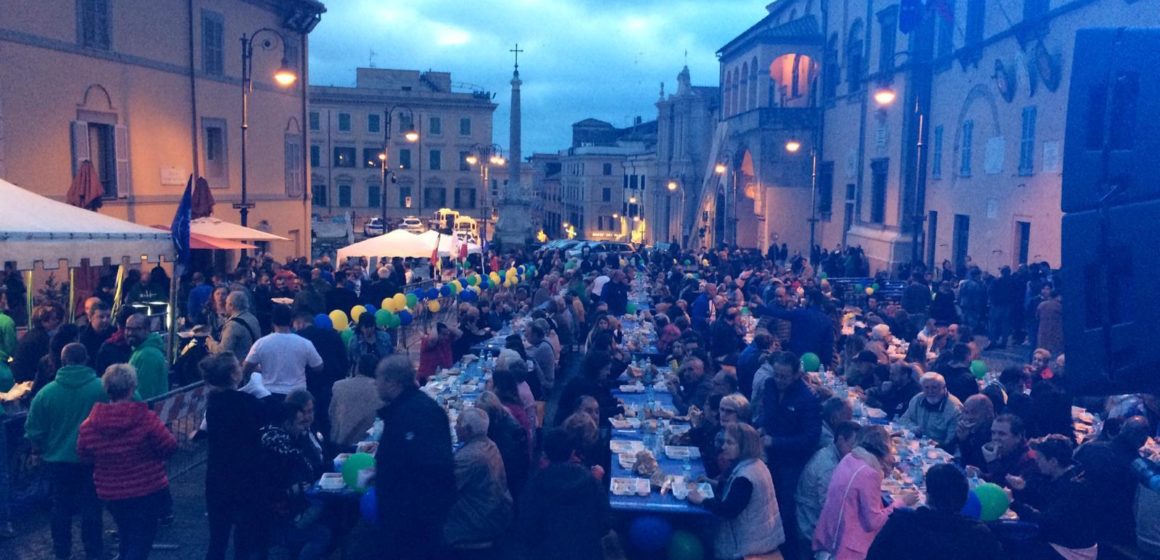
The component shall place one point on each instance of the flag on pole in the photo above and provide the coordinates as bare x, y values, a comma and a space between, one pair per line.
180, 227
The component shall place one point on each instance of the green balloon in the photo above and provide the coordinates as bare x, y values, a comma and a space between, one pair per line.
347, 335
381, 317
685, 546
631, 307
875, 286
352, 466
993, 499
412, 300
394, 321
811, 362
979, 368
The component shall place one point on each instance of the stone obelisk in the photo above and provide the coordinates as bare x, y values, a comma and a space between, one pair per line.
513, 229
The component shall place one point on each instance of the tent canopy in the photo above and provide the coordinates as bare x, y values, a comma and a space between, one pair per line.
36, 228
213, 227
402, 243
397, 243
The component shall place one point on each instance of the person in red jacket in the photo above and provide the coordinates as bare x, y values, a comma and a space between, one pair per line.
128, 446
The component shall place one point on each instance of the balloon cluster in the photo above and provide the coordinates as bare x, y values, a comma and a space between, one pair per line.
653, 534
986, 502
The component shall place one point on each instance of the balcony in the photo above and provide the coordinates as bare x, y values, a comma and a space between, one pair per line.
774, 119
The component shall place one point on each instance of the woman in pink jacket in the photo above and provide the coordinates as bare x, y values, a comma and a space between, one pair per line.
854, 512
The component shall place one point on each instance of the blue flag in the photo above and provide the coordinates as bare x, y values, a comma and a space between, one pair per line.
180, 227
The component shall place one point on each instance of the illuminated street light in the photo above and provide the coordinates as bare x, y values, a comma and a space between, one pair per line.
793, 146
884, 96
285, 76
720, 168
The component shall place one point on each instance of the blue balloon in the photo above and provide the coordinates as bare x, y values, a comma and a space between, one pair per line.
370, 308
323, 322
368, 506
445, 291
405, 317
520, 269
650, 533
432, 293
468, 295
973, 508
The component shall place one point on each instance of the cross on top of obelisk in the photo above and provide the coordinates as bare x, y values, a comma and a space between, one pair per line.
517, 52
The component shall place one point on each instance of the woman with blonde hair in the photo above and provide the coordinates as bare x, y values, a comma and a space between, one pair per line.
751, 525
853, 513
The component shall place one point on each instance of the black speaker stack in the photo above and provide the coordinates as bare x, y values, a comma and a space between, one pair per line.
1111, 203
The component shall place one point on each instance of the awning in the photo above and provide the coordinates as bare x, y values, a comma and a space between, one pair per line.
205, 242
36, 228
213, 227
396, 243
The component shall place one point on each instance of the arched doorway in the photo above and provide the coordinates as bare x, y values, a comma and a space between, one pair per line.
793, 78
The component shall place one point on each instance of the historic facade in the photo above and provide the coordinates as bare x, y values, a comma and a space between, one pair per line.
963, 161
424, 173
150, 92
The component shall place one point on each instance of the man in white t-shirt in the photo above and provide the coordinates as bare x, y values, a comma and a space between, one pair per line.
282, 356
598, 285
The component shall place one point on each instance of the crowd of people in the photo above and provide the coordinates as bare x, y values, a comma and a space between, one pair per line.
794, 476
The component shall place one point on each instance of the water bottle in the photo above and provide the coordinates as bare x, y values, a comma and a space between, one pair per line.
687, 467
650, 396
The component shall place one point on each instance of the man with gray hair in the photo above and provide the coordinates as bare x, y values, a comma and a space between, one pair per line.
241, 329
934, 412
414, 469
483, 508
53, 423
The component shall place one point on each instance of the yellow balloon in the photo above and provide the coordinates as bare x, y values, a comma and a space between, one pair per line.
494, 277
356, 312
386, 304
433, 306
869, 291
507, 283
339, 319
400, 301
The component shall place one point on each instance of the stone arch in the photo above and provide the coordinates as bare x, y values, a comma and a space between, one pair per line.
97, 94
753, 77
293, 126
977, 94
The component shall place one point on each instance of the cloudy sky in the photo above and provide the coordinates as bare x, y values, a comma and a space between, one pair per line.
584, 58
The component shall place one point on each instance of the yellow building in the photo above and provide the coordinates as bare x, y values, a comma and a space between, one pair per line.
150, 91
990, 81
429, 172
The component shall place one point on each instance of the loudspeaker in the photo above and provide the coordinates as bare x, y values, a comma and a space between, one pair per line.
1110, 261
1113, 118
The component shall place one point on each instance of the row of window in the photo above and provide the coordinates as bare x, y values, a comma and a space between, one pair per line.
347, 157
374, 123
966, 146
463, 198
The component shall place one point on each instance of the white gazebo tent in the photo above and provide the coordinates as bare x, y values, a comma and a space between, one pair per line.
397, 243
35, 229
446, 244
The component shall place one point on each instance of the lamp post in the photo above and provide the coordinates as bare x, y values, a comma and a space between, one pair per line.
285, 78
793, 146
675, 187
411, 135
884, 96
485, 156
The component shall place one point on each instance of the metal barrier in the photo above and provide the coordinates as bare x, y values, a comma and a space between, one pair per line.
182, 410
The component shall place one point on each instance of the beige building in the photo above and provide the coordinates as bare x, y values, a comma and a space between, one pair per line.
348, 126
150, 92
990, 81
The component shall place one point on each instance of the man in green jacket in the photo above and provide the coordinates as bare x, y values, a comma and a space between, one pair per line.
52, 424
7, 342
148, 357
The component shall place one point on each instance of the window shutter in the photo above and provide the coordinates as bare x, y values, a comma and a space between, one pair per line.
80, 143
122, 184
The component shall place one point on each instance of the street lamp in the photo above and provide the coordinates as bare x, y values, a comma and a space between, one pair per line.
720, 168
486, 156
410, 135
674, 188
285, 77
793, 146
884, 96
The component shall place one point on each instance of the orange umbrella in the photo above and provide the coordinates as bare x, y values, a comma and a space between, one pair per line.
85, 190
202, 199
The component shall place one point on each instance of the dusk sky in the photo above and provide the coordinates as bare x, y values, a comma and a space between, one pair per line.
603, 59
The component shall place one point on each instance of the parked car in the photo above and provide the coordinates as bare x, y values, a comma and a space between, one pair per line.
412, 224
374, 227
